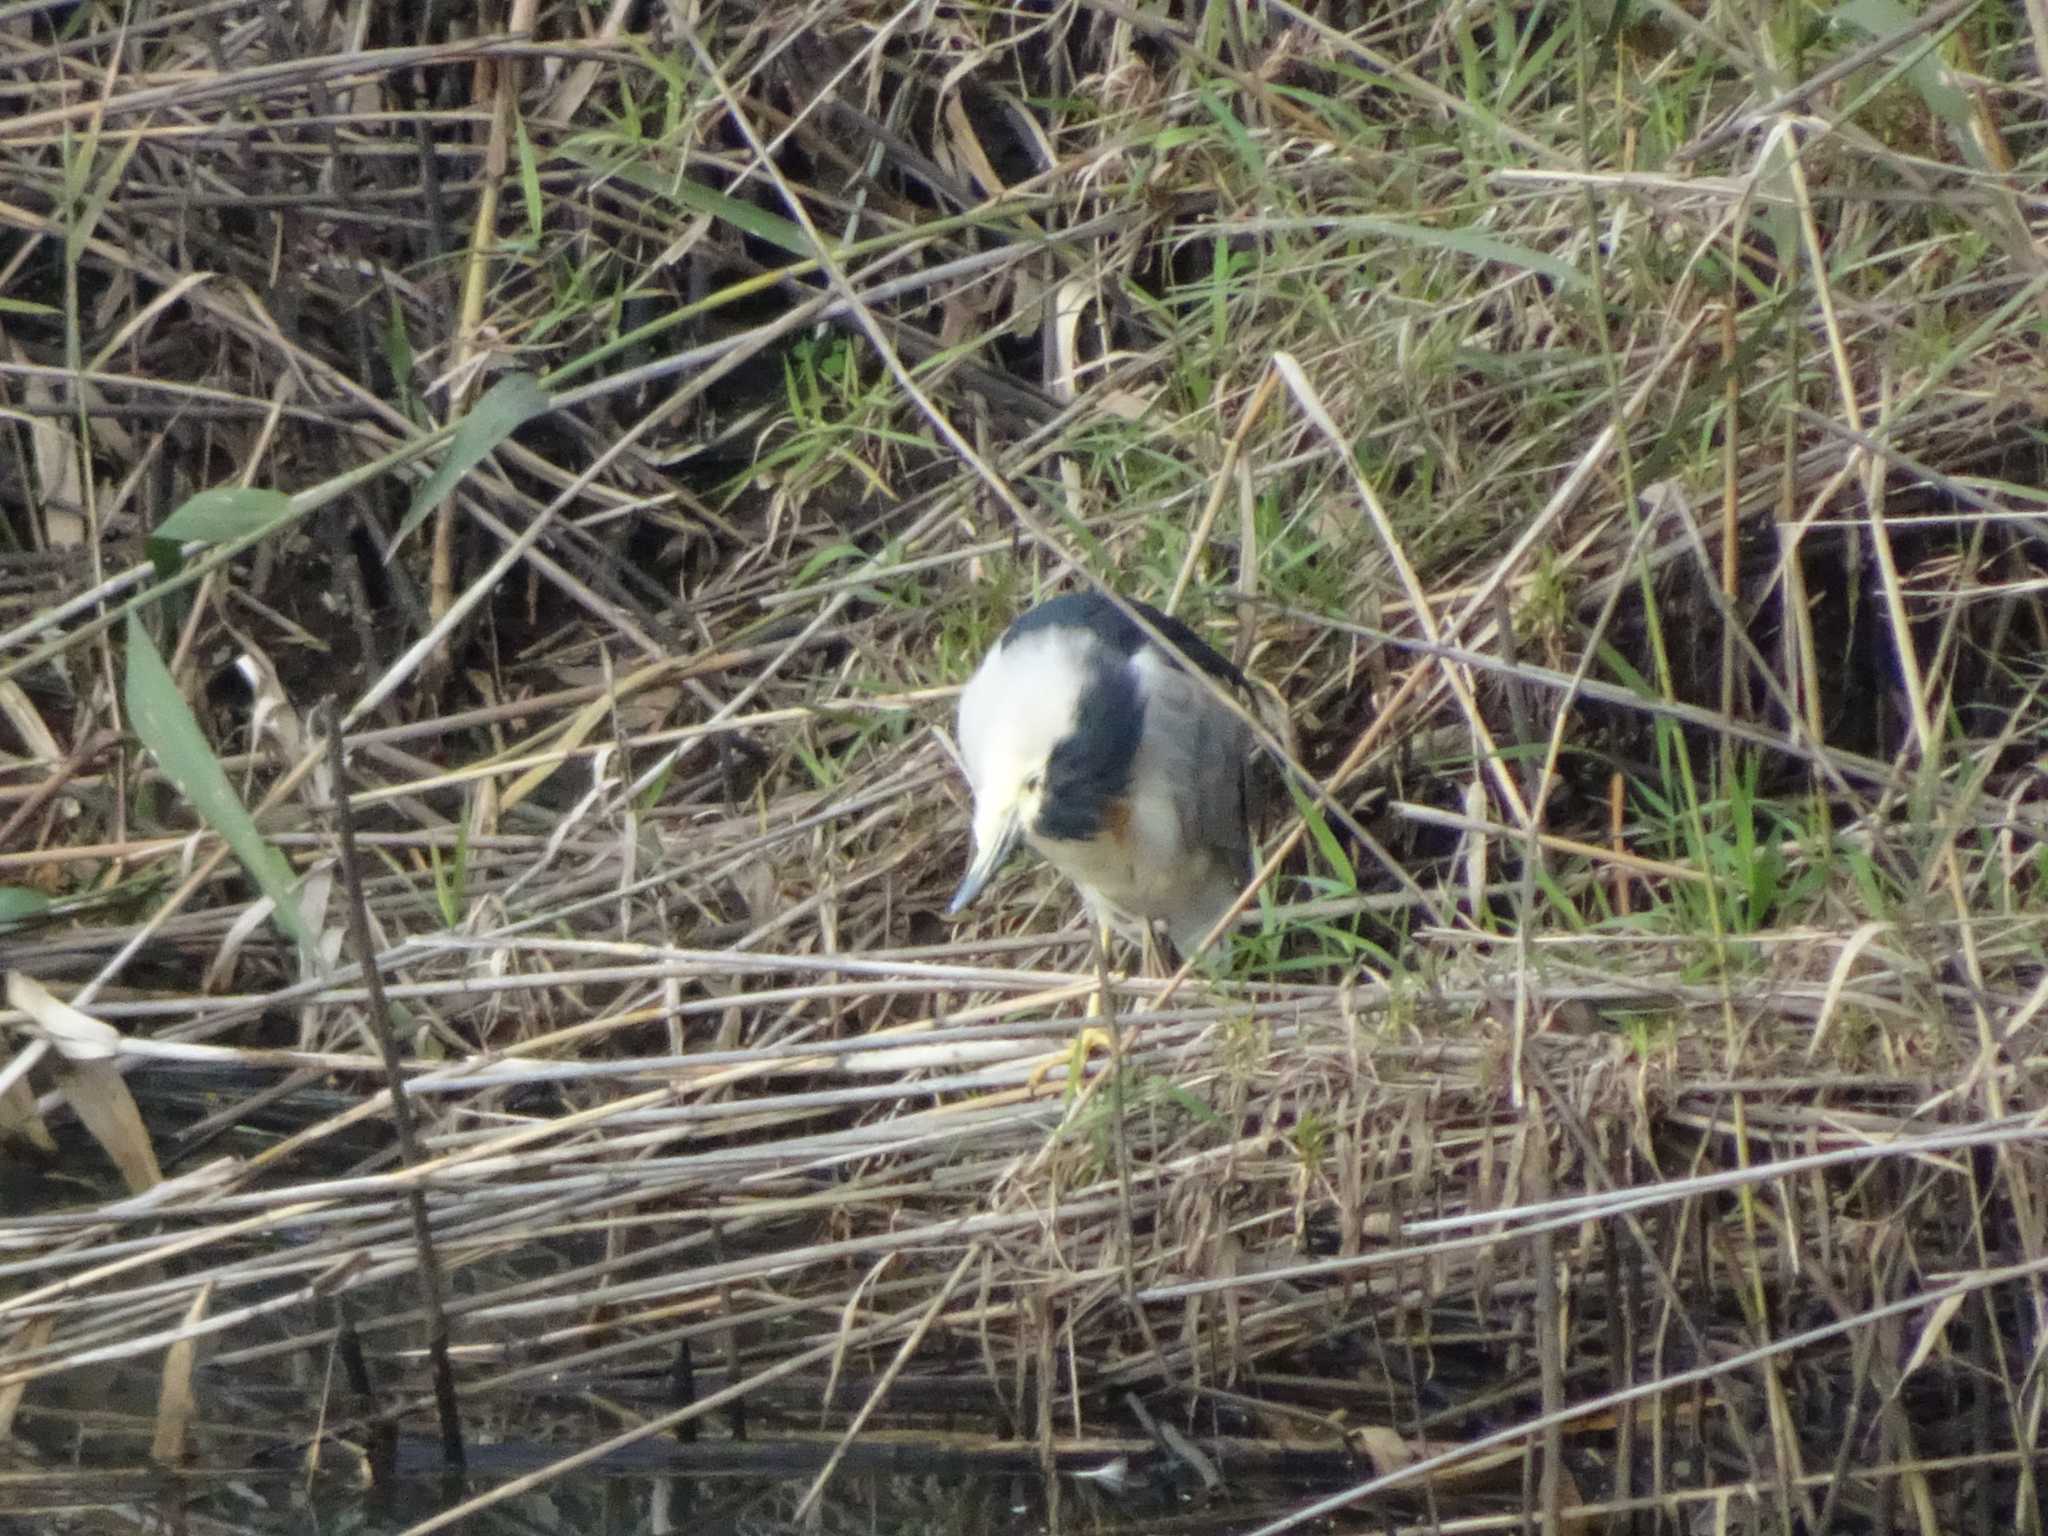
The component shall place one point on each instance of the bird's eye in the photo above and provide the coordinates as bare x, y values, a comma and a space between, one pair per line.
1032, 783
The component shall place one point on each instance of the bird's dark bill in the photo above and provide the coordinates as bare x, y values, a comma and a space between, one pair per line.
987, 860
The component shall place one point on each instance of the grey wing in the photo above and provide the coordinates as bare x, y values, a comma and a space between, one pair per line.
1207, 751
1200, 749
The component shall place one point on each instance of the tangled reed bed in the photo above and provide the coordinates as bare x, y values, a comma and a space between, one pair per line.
1318, 1218
1621, 1107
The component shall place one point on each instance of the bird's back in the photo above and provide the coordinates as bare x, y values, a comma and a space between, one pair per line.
1199, 752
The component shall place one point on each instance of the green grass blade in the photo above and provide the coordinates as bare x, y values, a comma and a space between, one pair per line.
216, 516
1922, 65
505, 407
168, 730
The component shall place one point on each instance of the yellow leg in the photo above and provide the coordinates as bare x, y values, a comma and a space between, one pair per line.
1090, 1036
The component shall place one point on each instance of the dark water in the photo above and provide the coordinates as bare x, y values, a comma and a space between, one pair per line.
259, 1501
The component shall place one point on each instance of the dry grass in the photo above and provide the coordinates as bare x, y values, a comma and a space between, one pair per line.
1623, 461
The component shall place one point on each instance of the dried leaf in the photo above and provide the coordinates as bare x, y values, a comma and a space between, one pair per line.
21, 713
175, 1404
1931, 1335
32, 1335
1383, 1449
99, 1094
18, 1116
77, 1035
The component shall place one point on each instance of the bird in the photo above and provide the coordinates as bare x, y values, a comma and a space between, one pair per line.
1085, 738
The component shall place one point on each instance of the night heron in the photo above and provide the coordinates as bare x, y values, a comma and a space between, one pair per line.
1102, 749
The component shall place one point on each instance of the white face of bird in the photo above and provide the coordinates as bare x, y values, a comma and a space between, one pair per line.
1020, 704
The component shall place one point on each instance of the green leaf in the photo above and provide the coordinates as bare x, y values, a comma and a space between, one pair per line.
1325, 840
451, 880
1465, 242
1173, 1093
782, 233
1233, 129
656, 788
1481, 247
223, 513
596, 154
823, 560
505, 407
18, 904
398, 357
529, 183
1923, 66
217, 516
158, 713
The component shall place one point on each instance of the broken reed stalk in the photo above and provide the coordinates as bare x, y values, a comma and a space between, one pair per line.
377, 1013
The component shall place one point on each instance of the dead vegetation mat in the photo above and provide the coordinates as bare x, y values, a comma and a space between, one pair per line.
1615, 438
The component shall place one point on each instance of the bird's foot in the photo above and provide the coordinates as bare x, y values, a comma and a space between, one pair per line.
1089, 1038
